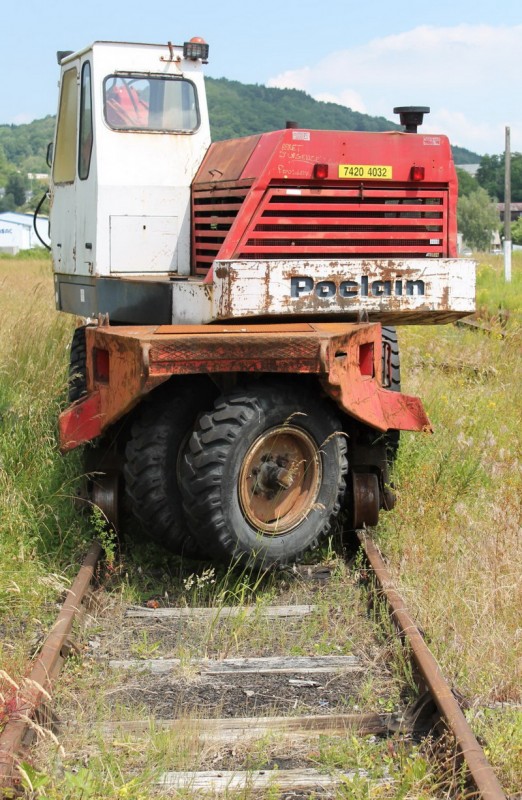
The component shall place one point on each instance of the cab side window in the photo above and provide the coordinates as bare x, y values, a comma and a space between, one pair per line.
64, 162
86, 129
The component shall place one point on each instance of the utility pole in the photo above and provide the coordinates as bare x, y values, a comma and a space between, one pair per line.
507, 208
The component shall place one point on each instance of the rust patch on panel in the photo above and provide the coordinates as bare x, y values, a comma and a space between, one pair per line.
225, 161
234, 328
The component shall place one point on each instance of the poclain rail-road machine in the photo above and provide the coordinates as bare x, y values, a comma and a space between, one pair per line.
231, 371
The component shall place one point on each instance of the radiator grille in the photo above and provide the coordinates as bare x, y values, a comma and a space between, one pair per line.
213, 213
365, 223
337, 222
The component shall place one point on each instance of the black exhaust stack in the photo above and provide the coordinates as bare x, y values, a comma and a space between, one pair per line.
411, 116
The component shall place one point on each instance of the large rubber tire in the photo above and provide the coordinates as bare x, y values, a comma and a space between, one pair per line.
77, 366
391, 363
391, 379
281, 427
152, 457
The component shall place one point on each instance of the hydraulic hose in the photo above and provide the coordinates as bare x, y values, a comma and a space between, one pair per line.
35, 217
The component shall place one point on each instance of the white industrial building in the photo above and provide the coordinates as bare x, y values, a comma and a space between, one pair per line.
17, 233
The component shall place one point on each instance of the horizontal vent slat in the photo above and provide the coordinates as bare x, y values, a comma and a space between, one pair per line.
215, 219
218, 195
216, 210
218, 236
328, 230
317, 249
290, 236
205, 255
295, 195
350, 208
353, 219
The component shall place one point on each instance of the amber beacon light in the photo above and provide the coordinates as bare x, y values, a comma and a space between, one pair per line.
195, 49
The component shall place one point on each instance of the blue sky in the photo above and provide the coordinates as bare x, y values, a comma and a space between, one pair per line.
460, 57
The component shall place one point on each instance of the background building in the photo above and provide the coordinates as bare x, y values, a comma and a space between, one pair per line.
516, 211
17, 233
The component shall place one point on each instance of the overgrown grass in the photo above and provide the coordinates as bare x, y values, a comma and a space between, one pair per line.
39, 530
454, 538
455, 533
40, 254
497, 299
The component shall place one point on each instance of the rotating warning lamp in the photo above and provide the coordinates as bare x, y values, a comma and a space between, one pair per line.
196, 49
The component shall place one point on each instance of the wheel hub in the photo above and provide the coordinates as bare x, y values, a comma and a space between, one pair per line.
272, 476
280, 479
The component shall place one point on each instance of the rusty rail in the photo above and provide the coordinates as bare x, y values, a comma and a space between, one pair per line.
37, 685
480, 770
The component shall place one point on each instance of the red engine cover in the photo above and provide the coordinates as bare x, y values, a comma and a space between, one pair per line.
257, 198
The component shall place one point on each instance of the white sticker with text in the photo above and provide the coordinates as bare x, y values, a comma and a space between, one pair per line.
303, 136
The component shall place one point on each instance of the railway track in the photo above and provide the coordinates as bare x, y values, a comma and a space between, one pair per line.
249, 723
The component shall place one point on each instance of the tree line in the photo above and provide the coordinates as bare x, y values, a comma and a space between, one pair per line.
478, 215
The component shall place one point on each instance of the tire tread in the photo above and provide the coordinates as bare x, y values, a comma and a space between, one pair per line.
152, 501
205, 456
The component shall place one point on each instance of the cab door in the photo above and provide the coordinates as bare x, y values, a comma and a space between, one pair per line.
86, 175
63, 188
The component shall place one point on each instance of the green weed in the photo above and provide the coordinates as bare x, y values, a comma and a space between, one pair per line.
453, 539
497, 300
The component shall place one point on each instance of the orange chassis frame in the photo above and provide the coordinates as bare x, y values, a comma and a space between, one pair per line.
125, 363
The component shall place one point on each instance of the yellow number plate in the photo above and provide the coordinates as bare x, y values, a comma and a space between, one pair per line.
372, 172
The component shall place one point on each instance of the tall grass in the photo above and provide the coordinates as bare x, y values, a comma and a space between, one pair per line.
454, 539
455, 534
39, 530
495, 297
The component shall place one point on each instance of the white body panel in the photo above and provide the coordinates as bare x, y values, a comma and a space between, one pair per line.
412, 290
133, 209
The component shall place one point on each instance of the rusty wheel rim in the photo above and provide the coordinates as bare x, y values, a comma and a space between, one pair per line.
279, 480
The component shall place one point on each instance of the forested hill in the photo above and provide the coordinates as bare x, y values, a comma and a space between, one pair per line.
236, 109
25, 146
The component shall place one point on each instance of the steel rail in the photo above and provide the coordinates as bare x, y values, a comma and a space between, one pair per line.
37, 685
481, 772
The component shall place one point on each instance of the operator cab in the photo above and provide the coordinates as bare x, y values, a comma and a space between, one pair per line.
132, 130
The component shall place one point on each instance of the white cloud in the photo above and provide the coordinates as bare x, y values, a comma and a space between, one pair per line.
346, 97
467, 74
487, 136
293, 79
22, 119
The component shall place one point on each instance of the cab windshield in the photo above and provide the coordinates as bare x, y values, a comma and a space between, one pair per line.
138, 103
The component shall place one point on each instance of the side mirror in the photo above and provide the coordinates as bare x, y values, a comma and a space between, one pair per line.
49, 156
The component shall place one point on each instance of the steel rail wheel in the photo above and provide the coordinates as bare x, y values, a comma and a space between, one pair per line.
105, 495
264, 474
